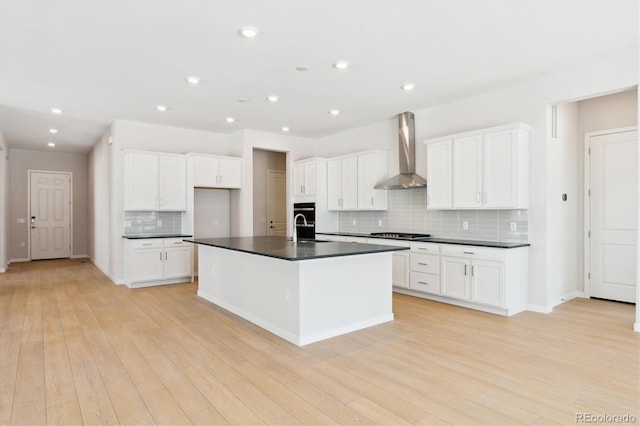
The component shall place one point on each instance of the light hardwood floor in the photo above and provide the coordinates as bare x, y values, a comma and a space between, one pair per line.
75, 348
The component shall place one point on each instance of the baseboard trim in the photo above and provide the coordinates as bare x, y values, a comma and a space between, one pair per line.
636, 327
18, 260
79, 256
540, 309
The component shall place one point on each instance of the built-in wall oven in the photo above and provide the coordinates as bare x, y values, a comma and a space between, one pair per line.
308, 210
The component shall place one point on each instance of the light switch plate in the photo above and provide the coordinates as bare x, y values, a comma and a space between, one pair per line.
465, 225
514, 226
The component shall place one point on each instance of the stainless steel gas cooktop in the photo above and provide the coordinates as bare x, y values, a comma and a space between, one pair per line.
400, 235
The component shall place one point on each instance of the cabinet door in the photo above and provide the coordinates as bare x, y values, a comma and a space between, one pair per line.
487, 283
366, 181
350, 183
454, 274
400, 267
206, 171
334, 185
499, 164
172, 183
439, 174
141, 181
310, 178
146, 265
177, 262
466, 172
230, 173
298, 179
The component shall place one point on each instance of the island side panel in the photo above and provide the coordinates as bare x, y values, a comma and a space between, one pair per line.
339, 295
260, 289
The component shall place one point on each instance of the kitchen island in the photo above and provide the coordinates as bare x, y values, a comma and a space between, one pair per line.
303, 292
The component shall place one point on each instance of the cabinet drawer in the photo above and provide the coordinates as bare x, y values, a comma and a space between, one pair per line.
426, 283
473, 252
429, 248
429, 263
147, 243
175, 242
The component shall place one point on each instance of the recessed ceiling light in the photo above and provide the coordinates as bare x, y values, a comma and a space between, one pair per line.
341, 65
302, 68
56, 111
162, 108
51, 144
334, 111
272, 98
230, 119
192, 79
243, 100
249, 32
408, 86
53, 131
285, 128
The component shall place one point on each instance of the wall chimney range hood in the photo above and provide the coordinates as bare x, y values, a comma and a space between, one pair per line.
407, 178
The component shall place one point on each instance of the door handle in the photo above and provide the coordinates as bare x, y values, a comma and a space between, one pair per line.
33, 222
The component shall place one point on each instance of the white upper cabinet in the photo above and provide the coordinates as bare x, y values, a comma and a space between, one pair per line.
215, 171
304, 177
351, 180
439, 175
489, 169
154, 181
342, 183
372, 168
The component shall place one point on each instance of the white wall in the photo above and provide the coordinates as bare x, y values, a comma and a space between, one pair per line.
4, 202
99, 199
526, 102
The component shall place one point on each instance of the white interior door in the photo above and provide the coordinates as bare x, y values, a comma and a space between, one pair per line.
50, 218
277, 202
613, 182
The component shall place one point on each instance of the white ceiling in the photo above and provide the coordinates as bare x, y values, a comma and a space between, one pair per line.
105, 60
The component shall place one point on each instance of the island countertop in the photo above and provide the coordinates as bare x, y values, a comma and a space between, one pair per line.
284, 248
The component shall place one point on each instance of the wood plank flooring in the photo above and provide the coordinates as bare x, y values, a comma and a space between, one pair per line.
77, 349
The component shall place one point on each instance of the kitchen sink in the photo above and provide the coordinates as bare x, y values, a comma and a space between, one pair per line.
312, 241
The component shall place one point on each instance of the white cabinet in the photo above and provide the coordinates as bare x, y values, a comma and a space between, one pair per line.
304, 177
154, 181
351, 180
156, 261
425, 267
215, 171
439, 175
494, 278
400, 269
488, 169
342, 183
372, 169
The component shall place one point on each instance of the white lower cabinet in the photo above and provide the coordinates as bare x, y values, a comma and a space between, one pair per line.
157, 261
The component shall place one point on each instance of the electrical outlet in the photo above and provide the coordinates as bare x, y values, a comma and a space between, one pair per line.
354, 222
379, 223
285, 296
514, 226
465, 225
22, 244
127, 224
215, 222
159, 222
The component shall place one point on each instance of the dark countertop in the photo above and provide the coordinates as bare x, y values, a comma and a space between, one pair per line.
478, 243
283, 248
138, 237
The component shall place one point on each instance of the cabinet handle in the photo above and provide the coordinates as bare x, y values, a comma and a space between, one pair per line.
472, 270
146, 244
484, 197
465, 270
423, 264
302, 189
160, 256
478, 197
423, 248
422, 282
177, 242
468, 252
165, 255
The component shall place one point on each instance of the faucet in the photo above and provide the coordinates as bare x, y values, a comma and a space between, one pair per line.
295, 231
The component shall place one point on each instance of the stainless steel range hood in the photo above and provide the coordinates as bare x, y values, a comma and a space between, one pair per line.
407, 178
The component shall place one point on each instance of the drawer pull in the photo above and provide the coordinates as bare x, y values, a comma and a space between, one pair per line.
177, 242
469, 252
423, 248
423, 264
422, 282
147, 244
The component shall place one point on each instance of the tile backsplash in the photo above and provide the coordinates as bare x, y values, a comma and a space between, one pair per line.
152, 223
408, 213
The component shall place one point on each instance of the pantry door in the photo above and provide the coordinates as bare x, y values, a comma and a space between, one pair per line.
50, 214
277, 202
613, 180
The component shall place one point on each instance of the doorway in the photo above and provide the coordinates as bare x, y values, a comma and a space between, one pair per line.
611, 213
269, 192
50, 206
